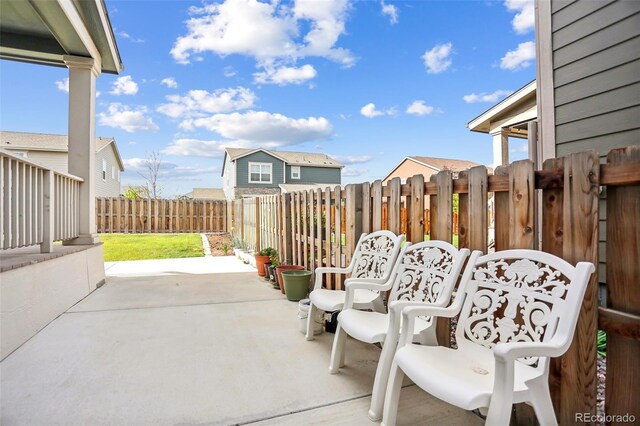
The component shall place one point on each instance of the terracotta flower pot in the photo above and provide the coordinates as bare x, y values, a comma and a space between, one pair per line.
260, 261
282, 268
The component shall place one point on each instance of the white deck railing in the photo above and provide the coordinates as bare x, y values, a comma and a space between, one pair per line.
38, 205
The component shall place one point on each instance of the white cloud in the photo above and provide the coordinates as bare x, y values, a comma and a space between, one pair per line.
524, 21
128, 36
168, 170
370, 111
285, 75
486, 97
259, 128
438, 59
129, 119
353, 172
63, 84
124, 86
196, 148
524, 148
391, 11
270, 32
229, 71
520, 58
170, 82
351, 159
196, 103
418, 107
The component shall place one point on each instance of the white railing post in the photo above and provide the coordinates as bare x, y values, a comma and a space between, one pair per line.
48, 210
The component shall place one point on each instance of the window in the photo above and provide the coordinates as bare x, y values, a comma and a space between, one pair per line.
295, 172
113, 172
104, 170
259, 173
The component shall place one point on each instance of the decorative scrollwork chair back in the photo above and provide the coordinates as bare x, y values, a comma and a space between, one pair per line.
512, 298
372, 261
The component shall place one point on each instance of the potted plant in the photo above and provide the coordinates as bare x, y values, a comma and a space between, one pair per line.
273, 276
264, 256
280, 269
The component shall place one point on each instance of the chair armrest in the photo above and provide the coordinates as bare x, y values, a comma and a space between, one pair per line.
327, 270
410, 313
351, 285
508, 352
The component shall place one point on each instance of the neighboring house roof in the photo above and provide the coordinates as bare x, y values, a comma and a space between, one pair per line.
289, 157
206, 194
437, 164
46, 142
503, 108
295, 187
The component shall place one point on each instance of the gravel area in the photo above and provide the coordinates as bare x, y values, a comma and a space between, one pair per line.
217, 243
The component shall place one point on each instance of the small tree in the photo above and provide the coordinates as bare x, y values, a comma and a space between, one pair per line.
150, 173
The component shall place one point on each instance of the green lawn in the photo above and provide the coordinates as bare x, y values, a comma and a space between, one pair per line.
150, 246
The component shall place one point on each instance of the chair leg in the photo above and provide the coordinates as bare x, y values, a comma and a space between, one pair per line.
310, 320
381, 380
392, 396
499, 413
337, 352
542, 405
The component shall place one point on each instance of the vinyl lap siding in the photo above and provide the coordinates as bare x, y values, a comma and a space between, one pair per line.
110, 187
596, 71
242, 170
50, 159
309, 174
596, 51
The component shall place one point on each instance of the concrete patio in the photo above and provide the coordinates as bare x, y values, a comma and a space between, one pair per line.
192, 341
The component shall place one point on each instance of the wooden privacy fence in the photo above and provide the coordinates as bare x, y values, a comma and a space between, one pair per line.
140, 215
321, 227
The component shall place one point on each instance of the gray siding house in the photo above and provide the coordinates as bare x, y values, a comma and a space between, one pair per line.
52, 152
588, 81
260, 171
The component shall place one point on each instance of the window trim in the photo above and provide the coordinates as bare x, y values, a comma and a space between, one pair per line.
104, 170
251, 163
299, 174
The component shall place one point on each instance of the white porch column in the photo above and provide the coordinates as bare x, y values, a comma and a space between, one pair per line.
82, 140
500, 147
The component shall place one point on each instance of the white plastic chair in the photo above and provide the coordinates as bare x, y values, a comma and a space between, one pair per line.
372, 262
517, 309
425, 274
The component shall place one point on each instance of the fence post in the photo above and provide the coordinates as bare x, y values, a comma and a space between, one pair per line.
441, 229
580, 242
257, 207
394, 206
287, 256
478, 194
623, 297
416, 231
353, 212
48, 212
521, 204
552, 202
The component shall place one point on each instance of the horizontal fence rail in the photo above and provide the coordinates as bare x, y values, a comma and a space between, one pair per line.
38, 205
493, 212
143, 215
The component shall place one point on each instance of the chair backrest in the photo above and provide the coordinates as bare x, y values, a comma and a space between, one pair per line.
375, 254
520, 296
428, 272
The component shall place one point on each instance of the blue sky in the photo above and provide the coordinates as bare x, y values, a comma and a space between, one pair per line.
367, 82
